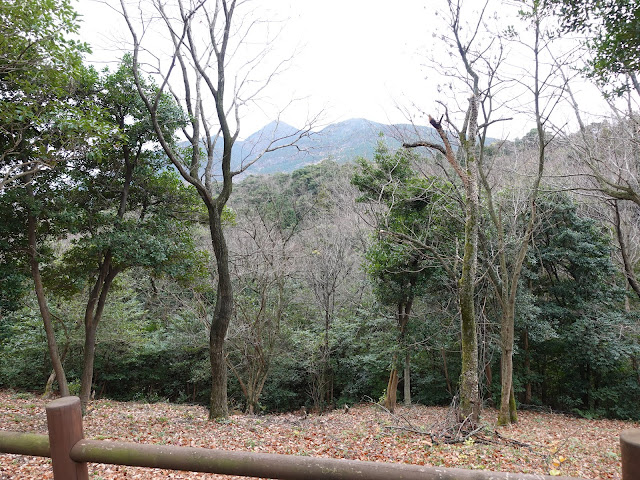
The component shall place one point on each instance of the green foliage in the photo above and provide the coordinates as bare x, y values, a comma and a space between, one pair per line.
23, 348
125, 199
152, 342
407, 260
286, 388
381, 179
429, 386
362, 343
288, 199
37, 31
46, 92
14, 278
138, 356
576, 345
111, 203
416, 209
613, 27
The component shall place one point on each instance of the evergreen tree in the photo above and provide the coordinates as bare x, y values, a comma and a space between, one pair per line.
575, 343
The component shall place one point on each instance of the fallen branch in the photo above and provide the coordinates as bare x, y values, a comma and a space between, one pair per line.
388, 412
512, 441
448, 431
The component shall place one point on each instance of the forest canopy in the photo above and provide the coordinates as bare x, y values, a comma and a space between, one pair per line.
141, 259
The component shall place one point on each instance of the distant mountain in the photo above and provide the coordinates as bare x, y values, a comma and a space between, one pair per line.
341, 142
272, 135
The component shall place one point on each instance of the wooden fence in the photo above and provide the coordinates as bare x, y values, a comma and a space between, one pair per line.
70, 452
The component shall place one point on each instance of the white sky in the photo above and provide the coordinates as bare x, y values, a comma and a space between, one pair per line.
358, 59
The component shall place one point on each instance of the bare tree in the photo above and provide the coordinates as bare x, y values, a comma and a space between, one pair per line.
475, 166
330, 260
609, 153
514, 227
626, 225
214, 80
464, 162
263, 250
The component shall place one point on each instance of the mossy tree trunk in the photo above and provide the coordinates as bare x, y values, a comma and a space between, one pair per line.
470, 404
464, 162
505, 278
469, 391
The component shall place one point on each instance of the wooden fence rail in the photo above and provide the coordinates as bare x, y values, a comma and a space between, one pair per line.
70, 452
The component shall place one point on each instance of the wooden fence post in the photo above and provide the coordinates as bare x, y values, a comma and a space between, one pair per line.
630, 452
64, 419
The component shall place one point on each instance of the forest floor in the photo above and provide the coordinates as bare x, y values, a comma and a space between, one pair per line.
540, 443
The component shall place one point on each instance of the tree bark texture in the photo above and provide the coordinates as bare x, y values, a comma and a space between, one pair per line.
392, 388
469, 391
92, 317
470, 404
407, 377
43, 306
507, 413
221, 318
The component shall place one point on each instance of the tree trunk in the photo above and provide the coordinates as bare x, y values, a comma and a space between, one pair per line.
403, 319
92, 317
48, 389
506, 414
469, 392
407, 377
44, 308
404, 310
98, 295
218, 407
527, 368
221, 317
214, 195
86, 380
626, 263
512, 406
446, 371
392, 388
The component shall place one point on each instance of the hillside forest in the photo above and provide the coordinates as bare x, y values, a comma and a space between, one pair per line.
141, 259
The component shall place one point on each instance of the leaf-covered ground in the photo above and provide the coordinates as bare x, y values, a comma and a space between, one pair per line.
552, 443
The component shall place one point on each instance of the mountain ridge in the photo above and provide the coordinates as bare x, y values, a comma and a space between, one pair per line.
341, 142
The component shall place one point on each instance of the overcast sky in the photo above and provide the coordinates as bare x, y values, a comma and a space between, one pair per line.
357, 59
